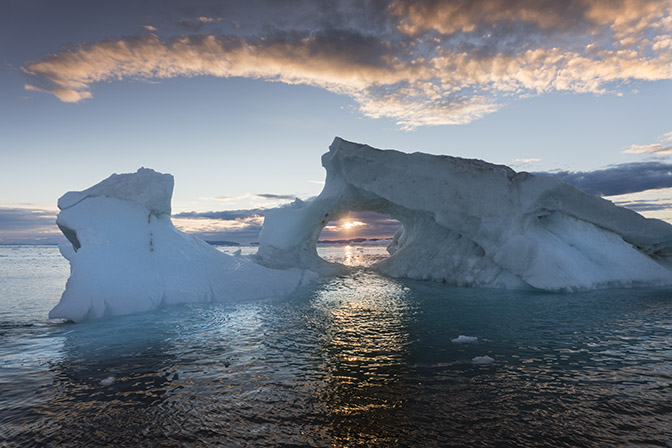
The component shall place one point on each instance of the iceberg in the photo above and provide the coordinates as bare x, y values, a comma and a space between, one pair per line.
464, 222
473, 223
462, 339
126, 256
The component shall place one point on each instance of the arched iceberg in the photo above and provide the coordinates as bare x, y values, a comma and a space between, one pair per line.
126, 256
465, 222
468, 222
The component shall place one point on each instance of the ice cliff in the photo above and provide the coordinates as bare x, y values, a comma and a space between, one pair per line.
126, 256
468, 222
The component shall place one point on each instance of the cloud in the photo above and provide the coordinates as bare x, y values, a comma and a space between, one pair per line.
277, 197
646, 205
150, 28
209, 19
664, 147
419, 63
362, 225
655, 148
244, 225
233, 198
28, 226
226, 215
621, 19
526, 162
619, 179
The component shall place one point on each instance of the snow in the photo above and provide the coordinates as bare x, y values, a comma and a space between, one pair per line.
461, 339
472, 223
126, 256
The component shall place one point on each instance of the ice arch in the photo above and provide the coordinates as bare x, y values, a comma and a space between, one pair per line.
469, 222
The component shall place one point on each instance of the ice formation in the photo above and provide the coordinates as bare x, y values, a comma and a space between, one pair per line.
126, 256
483, 360
462, 339
465, 222
468, 222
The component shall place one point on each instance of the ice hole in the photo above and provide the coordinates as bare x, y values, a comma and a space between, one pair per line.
357, 238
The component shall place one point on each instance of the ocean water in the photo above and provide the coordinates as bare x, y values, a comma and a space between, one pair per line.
355, 360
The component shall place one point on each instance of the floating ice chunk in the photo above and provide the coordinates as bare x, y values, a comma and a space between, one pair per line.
127, 257
483, 360
461, 339
108, 381
469, 222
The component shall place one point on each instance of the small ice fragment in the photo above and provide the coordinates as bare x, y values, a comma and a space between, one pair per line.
483, 360
461, 339
108, 381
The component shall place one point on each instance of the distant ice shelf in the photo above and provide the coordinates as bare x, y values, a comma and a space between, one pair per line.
464, 222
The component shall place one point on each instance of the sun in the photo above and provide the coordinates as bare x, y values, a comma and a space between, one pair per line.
347, 225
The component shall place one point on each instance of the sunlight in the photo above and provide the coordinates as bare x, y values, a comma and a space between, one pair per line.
350, 224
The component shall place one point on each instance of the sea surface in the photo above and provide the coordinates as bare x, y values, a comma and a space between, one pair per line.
355, 360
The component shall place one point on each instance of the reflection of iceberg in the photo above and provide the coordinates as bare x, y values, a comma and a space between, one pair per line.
126, 255
469, 222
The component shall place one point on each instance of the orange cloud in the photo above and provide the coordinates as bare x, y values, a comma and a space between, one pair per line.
664, 147
408, 72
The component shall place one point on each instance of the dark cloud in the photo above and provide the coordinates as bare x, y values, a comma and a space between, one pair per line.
619, 179
226, 215
290, 197
28, 226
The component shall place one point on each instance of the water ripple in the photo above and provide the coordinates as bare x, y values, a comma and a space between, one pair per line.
357, 360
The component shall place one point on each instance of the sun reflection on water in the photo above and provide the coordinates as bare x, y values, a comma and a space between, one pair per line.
364, 326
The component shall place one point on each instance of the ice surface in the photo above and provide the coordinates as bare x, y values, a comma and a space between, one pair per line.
468, 222
108, 381
129, 257
483, 360
461, 339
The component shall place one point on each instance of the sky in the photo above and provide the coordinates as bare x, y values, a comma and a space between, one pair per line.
238, 100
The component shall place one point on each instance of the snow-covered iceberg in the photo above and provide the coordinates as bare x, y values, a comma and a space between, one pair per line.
126, 256
469, 222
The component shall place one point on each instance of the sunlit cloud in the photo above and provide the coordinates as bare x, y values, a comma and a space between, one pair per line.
209, 19
242, 226
360, 225
663, 147
643, 205
343, 225
419, 63
525, 162
651, 203
150, 28
655, 148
